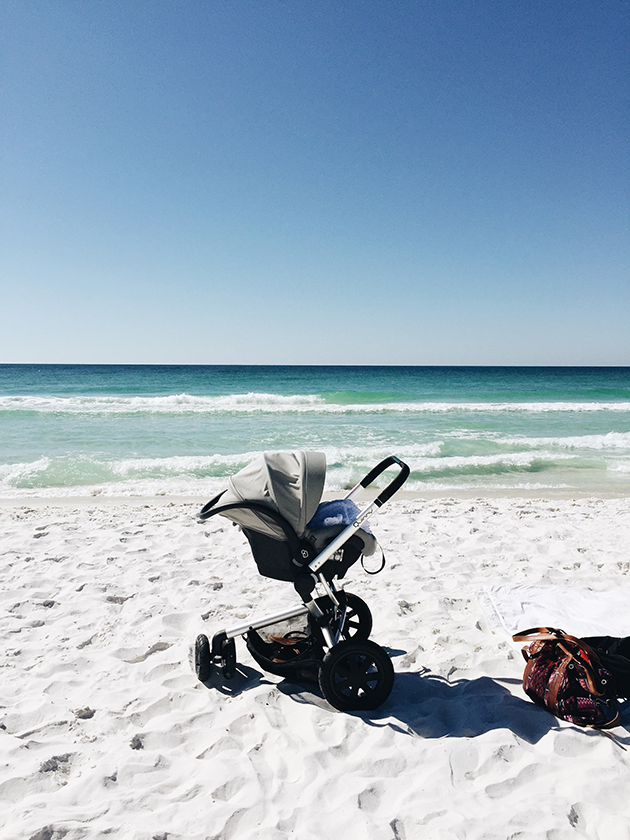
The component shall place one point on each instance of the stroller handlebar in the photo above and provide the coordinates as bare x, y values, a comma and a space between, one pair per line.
394, 485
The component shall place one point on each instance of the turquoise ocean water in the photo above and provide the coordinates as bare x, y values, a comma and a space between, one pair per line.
86, 430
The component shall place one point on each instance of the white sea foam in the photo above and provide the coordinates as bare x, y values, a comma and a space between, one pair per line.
10, 473
620, 468
461, 463
278, 403
178, 464
611, 440
168, 404
178, 487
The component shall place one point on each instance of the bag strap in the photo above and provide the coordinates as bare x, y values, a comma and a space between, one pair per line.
554, 685
553, 634
535, 634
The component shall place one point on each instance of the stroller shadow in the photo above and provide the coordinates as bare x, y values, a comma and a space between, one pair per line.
244, 679
427, 706
424, 705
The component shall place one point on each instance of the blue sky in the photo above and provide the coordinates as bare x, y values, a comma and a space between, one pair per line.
305, 181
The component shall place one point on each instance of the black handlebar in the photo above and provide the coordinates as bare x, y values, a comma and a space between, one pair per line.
394, 486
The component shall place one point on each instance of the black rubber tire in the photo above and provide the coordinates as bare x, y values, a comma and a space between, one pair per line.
228, 655
357, 625
203, 659
356, 676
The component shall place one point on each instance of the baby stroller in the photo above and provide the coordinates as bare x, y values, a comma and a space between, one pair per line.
276, 502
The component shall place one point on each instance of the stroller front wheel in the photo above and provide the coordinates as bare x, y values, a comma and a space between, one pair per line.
228, 658
203, 659
357, 624
356, 676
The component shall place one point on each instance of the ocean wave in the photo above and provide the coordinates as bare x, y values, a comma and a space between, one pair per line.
204, 475
184, 465
596, 442
453, 486
12, 473
167, 404
620, 468
261, 403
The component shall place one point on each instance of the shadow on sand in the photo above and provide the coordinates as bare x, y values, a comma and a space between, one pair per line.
244, 679
429, 706
425, 705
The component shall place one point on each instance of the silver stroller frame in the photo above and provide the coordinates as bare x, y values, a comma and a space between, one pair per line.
354, 673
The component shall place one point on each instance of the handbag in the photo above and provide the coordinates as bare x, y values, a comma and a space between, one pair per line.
566, 676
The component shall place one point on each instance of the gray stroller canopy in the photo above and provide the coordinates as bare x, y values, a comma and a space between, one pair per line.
291, 483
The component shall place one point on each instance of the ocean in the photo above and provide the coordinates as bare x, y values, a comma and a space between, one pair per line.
151, 430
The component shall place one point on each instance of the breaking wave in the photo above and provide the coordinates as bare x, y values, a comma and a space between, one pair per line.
260, 403
200, 476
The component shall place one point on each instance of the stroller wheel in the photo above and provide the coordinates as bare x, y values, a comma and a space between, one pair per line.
228, 658
203, 660
358, 621
356, 676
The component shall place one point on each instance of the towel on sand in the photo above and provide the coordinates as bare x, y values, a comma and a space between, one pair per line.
579, 612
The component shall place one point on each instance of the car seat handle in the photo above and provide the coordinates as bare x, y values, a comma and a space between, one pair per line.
394, 486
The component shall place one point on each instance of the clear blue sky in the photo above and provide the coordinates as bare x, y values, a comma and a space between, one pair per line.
315, 181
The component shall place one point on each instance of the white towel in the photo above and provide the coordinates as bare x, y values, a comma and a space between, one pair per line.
579, 612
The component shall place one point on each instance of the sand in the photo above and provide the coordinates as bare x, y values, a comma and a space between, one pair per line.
105, 731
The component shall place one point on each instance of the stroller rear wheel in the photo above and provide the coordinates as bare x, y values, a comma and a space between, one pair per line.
356, 676
203, 659
357, 624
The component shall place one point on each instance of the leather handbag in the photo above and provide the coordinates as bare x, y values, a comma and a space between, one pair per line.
565, 675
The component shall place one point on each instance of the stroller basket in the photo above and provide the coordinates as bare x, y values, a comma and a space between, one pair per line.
294, 537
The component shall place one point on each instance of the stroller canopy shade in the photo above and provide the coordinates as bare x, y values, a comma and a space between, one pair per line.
291, 483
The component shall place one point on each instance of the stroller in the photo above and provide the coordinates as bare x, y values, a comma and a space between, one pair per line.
294, 538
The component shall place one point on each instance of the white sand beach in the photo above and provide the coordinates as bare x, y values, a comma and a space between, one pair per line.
106, 732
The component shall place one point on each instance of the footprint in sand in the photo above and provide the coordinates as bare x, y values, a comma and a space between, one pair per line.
370, 798
520, 781
134, 655
227, 791
49, 832
463, 762
56, 763
176, 621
